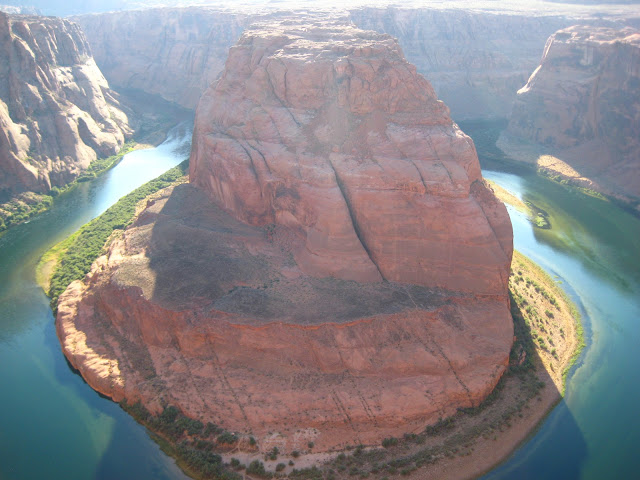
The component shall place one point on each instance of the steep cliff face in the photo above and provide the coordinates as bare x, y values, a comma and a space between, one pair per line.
315, 135
582, 106
173, 52
56, 110
475, 60
348, 281
476, 57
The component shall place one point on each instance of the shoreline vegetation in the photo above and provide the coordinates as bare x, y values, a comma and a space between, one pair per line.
538, 217
26, 205
71, 259
154, 117
485, 135
548, 340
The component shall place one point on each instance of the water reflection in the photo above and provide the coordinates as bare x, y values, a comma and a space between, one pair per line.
539, 458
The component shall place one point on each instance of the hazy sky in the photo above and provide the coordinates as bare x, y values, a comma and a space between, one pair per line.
71, 7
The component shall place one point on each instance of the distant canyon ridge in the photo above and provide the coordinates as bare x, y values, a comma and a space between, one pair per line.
579, 113
475, 60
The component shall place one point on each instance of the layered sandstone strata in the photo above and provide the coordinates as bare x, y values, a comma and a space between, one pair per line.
172, 52
57, 113
336, 270
475, 56
476, 60
581, 107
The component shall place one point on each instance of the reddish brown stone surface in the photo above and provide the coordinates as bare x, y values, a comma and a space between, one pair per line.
348, 281
334, 134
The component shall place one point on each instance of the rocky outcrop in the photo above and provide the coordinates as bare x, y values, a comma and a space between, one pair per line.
56, 110
581, 108
173, 52
336, 270
313, 140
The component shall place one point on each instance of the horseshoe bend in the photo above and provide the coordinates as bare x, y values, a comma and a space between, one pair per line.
335, 270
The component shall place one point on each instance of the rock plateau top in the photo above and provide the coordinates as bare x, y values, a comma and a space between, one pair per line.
335, 272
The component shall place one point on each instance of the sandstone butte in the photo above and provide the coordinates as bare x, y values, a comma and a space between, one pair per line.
582, 106
57, 113
336, 270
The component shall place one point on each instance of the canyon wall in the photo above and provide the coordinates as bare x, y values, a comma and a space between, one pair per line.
173, 52
57, 113
335, 272
581, 106
316, 139
476, 59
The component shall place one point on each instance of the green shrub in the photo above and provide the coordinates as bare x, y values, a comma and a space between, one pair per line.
227, 438
389, 442
76, 262
211, 429
257, 468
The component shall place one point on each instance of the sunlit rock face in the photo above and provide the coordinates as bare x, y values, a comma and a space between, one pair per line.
337, 136
582, 103
475, 56
57, 112
334, 272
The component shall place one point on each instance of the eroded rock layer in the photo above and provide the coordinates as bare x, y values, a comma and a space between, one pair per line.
56, 110
173, 52
582, 105
475, 56
475, 60
336, 135
335, 272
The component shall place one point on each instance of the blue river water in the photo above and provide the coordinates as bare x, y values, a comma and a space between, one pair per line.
54, 426
593, 247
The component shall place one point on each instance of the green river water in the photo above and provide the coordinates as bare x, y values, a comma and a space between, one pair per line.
53, 426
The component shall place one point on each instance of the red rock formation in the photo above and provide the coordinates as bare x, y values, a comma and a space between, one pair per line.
582, 106
475, 60
344, 141
476, 57
348, 281
56, 110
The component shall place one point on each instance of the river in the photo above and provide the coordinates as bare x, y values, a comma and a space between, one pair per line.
594, 250
54, 426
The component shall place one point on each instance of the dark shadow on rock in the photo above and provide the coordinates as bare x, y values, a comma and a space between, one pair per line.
201, 257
